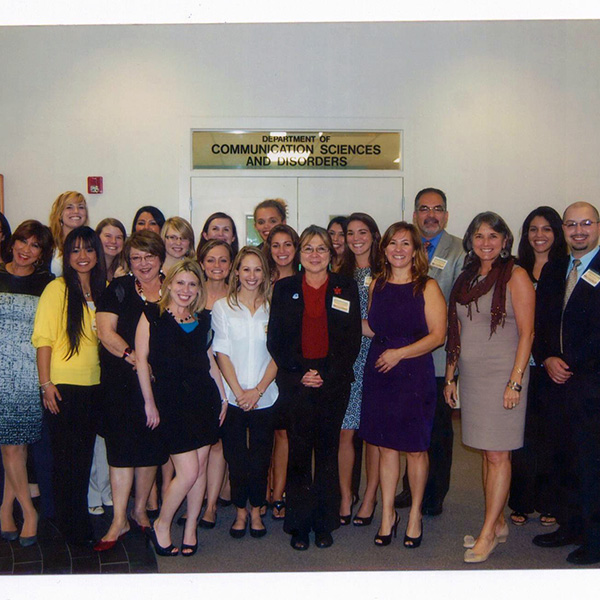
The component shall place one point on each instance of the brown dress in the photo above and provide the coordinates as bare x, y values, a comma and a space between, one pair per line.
485, 365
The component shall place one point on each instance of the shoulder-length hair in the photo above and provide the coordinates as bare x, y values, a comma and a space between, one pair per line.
186, 265
184, 229
313, 230
525, 253
156, 215
145, 241
264, 291
208, 246
289, 231
118, 261
498, 224
56, 212
348, 264
5, 243
235, 244
420, 264
86, 237
41, 233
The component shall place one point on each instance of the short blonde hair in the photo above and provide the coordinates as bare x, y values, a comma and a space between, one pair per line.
186, 265
184, 229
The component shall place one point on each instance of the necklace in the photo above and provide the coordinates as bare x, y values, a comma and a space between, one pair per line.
140, 291
184, 320
87, 294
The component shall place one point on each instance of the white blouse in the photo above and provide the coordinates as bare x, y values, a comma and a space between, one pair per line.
243, 338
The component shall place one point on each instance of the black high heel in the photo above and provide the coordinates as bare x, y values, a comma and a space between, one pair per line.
346, 519
410, 542
364, 521
161, 550
386, 540
188, 549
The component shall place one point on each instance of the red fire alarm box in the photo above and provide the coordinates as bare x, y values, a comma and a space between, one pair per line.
95, 185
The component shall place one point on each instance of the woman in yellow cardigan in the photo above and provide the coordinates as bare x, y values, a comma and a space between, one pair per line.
64, 334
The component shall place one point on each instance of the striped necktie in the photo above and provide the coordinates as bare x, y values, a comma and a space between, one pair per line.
569, 287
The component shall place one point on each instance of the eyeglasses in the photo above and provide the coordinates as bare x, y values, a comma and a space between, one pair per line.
310, 250
436, 209
174, 238
583, 224
138, 259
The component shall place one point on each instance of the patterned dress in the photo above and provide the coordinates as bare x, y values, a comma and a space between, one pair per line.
362, 276
20, 404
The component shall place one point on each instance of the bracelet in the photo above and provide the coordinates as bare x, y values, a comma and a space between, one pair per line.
513, 385
126, 352
224, 401
519, 370
449, 381
260, 394
43, 386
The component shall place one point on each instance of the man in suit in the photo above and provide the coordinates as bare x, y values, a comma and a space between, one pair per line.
446, 258
568, 345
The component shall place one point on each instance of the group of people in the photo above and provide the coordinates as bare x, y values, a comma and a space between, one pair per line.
267, 368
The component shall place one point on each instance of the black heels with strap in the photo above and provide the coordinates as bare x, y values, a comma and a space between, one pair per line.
386, 540
364, 521
410, 542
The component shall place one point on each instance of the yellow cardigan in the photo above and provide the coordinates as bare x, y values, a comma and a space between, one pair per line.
50, 329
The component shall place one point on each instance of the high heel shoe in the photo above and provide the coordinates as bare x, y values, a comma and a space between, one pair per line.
9, 536
469, 541
474, 557
364, 521
169, 550
386, 540
411, 542
28, 541
347, 519
188, 549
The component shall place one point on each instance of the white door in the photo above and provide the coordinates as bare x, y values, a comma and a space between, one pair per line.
237, 196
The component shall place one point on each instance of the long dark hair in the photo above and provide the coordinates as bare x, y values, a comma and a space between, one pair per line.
291, 233
5, 243
76, 301
118, 260
525, 253
348, 265
235, 244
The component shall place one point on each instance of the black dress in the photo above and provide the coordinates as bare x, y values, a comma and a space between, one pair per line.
129, 442
186, 396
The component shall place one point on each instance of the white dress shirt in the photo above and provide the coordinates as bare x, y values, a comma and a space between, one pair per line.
243, 338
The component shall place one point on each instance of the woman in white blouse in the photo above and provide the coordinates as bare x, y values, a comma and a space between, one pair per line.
240, 325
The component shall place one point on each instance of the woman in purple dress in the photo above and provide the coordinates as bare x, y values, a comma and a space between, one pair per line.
407, 314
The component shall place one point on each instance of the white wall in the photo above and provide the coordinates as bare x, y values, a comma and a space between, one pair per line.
501, 115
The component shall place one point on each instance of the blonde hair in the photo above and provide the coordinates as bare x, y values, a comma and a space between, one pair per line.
186, 265
264, 291
184, 229
56, 225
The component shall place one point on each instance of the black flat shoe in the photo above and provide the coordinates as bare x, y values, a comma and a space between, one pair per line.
323, 540
556, 539
300, 541
206, 524
364, 521
161, 550
222, 502
386, 540
411, 542
583, 556
9, 536
237, 534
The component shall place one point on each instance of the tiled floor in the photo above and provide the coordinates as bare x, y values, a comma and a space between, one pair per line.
53, 556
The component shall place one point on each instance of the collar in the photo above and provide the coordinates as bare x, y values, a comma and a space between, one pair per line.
586, 259
433, 244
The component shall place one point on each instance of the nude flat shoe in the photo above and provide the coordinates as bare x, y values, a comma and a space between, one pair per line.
474, 557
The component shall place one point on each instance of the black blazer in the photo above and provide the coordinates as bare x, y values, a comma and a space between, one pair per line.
284, 337
581, 326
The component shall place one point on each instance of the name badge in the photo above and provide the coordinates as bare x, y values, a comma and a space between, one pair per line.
438, 263
368, 280
591, 277
340, 304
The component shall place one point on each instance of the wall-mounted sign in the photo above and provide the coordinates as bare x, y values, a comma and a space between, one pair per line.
297, 150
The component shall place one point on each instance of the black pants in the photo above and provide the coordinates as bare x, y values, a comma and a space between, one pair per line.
440, 453
313, 502
247, 446
72, 436
530, 488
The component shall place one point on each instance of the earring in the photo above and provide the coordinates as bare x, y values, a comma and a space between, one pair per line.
470, 253
504, 253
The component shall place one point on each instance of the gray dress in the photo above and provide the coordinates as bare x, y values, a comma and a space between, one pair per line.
485, 365
362, 276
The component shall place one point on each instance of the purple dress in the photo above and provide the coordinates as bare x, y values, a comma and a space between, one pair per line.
398, 406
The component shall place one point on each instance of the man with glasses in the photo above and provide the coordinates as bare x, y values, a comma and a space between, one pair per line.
567, 343
446, 258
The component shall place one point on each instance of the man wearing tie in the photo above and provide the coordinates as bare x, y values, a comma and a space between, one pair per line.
567, 343
446, 258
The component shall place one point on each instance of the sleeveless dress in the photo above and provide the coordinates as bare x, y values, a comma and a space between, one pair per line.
186, 396
362, 276
398, 406
20, 404
485, 365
